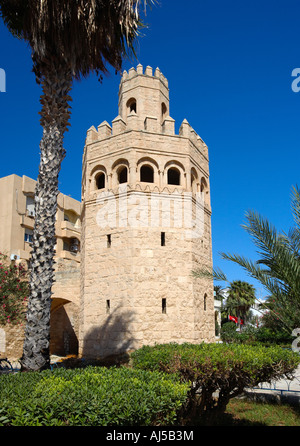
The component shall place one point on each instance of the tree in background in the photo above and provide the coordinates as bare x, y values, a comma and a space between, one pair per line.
69, 40
14, 292
278, 267
240, 298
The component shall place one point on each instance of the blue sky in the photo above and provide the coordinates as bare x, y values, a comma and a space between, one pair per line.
229, 66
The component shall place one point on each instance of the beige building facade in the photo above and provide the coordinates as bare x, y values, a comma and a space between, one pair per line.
146, 225
17, 222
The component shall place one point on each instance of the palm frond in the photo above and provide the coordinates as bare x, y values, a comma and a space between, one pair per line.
83, 35
295, 205
215, 274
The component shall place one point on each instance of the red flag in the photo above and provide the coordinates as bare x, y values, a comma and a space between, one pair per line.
235, 319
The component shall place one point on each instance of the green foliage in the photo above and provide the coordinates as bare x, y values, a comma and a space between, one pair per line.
251, 335
278, 267
228, 332
226, 369
241, 295
14, 292
94, 396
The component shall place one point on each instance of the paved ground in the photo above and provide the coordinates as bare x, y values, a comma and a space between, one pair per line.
283, 389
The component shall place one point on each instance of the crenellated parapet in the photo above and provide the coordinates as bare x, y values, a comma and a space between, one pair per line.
144, 106
151, 125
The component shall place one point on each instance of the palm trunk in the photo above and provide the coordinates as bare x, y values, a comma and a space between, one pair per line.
56, 84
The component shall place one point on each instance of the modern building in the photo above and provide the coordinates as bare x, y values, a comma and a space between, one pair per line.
17, 222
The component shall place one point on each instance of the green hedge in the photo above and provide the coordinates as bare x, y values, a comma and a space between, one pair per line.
251, 335
92, 396
224, 370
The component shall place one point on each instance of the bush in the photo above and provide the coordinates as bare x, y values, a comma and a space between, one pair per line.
269, 336
225, 369
228, 332
14, 290
251, 335
92, 396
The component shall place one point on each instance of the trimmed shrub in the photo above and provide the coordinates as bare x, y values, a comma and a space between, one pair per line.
228, 332
218, 372
95, 396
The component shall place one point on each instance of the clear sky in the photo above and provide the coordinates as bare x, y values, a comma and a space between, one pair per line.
229, 65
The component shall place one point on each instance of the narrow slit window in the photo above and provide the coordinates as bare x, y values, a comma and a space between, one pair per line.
204, 302
108, 240
163, 239
164, 305
108, 306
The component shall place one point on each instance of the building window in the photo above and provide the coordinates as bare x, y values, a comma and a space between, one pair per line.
123, 176
164, 305
174, 176
147, 174
204, 302
131, 105
163, 111
71, 245
107, 306
108, 237
100, 181
28, 237
74, 245
163, 239
30, 206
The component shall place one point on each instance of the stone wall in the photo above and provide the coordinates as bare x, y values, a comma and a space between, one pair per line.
11, 341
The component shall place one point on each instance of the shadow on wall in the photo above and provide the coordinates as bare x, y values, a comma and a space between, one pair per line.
112, 337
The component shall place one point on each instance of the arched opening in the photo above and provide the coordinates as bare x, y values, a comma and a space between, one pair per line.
205, 301
131, 106
204, 190
163, 111
147, 174
100, 181
63, 327
174, 176
194, 180
123, 175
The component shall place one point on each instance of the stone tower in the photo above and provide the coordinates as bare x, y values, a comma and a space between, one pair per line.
146, 225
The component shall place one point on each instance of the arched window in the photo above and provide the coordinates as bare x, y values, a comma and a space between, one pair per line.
122, 175
147, 174
204, 191
131, 105
203, 185
100, 181
163, 111
194, 180
174, 176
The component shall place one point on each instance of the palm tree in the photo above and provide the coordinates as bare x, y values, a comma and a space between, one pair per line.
68, 40
241, 296
278, 267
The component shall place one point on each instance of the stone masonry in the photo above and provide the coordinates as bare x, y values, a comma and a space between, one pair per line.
146, 225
